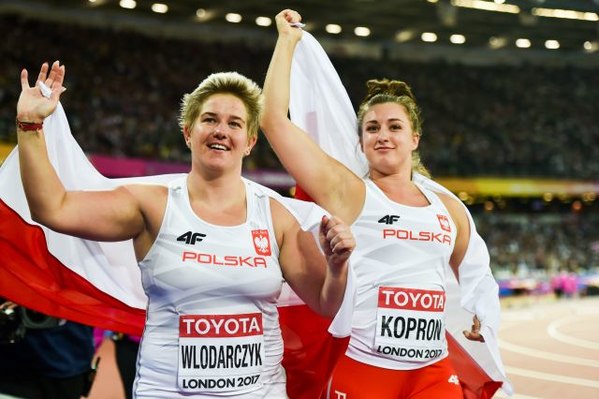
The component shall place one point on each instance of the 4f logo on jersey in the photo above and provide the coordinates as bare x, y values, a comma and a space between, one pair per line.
261, 242
389, 219
453, 379
444, 222
191, 238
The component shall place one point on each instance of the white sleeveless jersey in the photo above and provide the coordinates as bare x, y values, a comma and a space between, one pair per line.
400, 263
212, 327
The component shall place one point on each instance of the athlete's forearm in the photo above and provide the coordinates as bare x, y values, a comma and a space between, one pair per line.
43, 189
333, 289
278, 77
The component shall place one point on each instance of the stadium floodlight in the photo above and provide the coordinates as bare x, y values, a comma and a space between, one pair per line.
428, 37
128, 4
487, 6
496, 42
201, 13
333, 29
160, 8
457, 39
263, 21
523, 43
404, 35
233, 18
551, 44
590, 47
565, 14
361, 31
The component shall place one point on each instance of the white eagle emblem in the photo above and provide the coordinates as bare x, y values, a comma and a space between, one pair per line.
261, 242
444, 222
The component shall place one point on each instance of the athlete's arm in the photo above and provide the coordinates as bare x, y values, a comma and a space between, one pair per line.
318, 280
328, 182
458, 214
101, 215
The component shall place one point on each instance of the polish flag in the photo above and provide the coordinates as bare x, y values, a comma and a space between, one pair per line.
99, 283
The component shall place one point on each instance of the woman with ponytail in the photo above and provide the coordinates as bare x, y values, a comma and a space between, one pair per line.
406, 236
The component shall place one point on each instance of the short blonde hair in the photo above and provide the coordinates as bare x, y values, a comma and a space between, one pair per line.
224, 83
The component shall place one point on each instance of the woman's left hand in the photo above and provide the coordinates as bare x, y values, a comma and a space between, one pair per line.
287, 21
336, 240
474, 333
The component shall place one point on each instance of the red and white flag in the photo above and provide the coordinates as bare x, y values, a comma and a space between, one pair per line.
99, 283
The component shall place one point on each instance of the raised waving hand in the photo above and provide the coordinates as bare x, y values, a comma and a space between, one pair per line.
33, 107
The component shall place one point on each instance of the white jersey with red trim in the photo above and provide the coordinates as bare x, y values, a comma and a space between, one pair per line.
400, 262
212, 326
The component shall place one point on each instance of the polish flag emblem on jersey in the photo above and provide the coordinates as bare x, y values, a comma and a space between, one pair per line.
444, 222
261, 242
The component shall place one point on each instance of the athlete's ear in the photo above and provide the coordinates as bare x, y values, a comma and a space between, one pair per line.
187, 136
361, 141
415, 141
251, 143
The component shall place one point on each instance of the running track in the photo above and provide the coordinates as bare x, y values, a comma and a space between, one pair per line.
550, 349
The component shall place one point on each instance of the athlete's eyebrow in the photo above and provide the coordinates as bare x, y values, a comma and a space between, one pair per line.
215, 114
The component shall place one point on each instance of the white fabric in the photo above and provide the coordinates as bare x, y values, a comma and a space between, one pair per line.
407, 252
320, 105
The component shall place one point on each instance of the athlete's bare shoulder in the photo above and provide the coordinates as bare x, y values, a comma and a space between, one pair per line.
143, 192
453, 205
151, 199
282, 219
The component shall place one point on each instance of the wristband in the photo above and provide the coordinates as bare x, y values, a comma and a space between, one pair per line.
29, 126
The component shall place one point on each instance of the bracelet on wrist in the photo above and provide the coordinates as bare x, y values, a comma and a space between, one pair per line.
29, 126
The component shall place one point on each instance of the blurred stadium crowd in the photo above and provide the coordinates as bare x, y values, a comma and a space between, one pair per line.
529, 250
124, 91
536, 121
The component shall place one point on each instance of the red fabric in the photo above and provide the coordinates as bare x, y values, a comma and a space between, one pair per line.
301, 194
475, 382
310, 351
32, 277
355, 379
